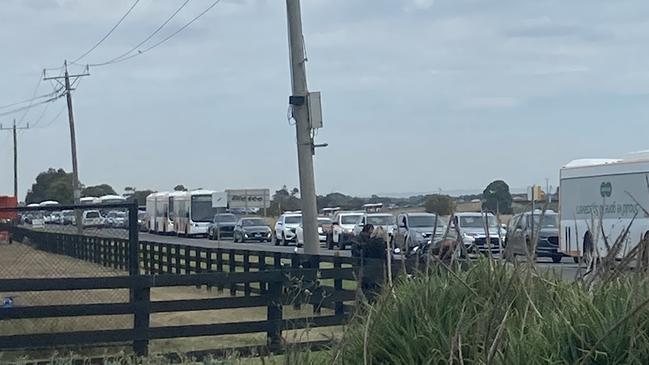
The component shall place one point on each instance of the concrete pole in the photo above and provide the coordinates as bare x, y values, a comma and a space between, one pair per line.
76, 191
15, 162
303, 128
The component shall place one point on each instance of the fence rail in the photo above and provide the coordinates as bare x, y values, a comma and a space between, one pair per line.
253, 278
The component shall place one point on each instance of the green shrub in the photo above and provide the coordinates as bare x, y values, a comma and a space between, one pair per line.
497, 314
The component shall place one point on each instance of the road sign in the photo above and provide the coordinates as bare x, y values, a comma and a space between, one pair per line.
248, 198
220, 199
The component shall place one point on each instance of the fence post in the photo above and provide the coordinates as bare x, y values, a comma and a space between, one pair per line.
177, 259
188, 259
338, 286
168, 257
219, 266
274, 315
246, 268
295, 265
160, 261
261, 262
133, 240
232, 267
141, 319
209, 263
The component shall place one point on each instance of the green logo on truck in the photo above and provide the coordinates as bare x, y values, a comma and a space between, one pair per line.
606, 189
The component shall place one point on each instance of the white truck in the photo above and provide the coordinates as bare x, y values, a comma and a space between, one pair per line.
598, 200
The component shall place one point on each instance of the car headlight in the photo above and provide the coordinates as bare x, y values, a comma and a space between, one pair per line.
468, 237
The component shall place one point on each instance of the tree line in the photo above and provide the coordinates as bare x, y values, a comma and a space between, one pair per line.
56, 184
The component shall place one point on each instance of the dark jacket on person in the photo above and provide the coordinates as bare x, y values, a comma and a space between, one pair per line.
360, 242
375, 248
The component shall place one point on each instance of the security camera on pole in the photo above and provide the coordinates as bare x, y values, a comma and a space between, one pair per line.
307, 114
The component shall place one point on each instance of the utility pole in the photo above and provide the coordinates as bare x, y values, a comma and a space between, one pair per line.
304, 124
14, 130
73, 140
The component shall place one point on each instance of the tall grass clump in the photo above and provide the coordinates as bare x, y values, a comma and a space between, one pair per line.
496, 313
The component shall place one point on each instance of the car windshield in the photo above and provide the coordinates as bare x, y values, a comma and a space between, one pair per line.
324, 221
141, 215
381, 220
350, 219
253, 222
202, 210
424, 221
68, 213
477, 222
225, 218
293, 219
549, 220
92, 215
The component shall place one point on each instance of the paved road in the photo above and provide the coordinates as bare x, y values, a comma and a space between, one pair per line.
567, 269
203, 242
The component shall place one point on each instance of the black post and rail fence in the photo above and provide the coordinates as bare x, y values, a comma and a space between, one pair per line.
253, 278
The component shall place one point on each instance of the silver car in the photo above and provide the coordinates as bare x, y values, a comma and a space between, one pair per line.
480, 231
418, 229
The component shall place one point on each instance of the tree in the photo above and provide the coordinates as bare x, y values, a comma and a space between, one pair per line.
284, 200
140, 196
439, 204
180, 187
98, 190
497, 198
52, 184
295, 191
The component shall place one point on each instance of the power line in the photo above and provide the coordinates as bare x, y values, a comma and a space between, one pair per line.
117, 59
32, 99
140, 52
48, 124
31, 105
109, 32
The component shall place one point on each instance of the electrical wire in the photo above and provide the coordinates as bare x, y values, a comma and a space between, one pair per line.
48, 124
40, 117
117, 59
107, 34
140, 52
40, 79
31, 105
30, 100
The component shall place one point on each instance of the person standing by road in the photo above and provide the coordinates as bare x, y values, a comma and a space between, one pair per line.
358, 246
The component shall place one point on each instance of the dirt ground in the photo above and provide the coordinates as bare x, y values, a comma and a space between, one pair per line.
22, 261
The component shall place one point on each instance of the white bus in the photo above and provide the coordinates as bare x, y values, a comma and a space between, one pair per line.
172, 219
598, 200
157, 211
111, 199
193, 212
89, 200
48, 203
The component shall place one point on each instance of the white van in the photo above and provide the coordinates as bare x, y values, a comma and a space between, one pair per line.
92, 218
603, 196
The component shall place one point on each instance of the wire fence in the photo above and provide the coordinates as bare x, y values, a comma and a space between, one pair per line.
65, 242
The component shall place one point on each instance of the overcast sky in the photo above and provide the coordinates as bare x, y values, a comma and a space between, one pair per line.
417, 95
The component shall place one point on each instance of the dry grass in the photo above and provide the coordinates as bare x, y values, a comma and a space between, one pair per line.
22, 261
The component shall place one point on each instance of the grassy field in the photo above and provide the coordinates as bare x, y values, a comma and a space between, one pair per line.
21, 261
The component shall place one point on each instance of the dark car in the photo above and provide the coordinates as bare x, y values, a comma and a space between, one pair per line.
519, 235
222, 226
252, 229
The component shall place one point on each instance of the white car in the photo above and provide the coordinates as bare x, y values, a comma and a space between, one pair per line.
385, 220
343, 228
92, 218
286, 228
322, 234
